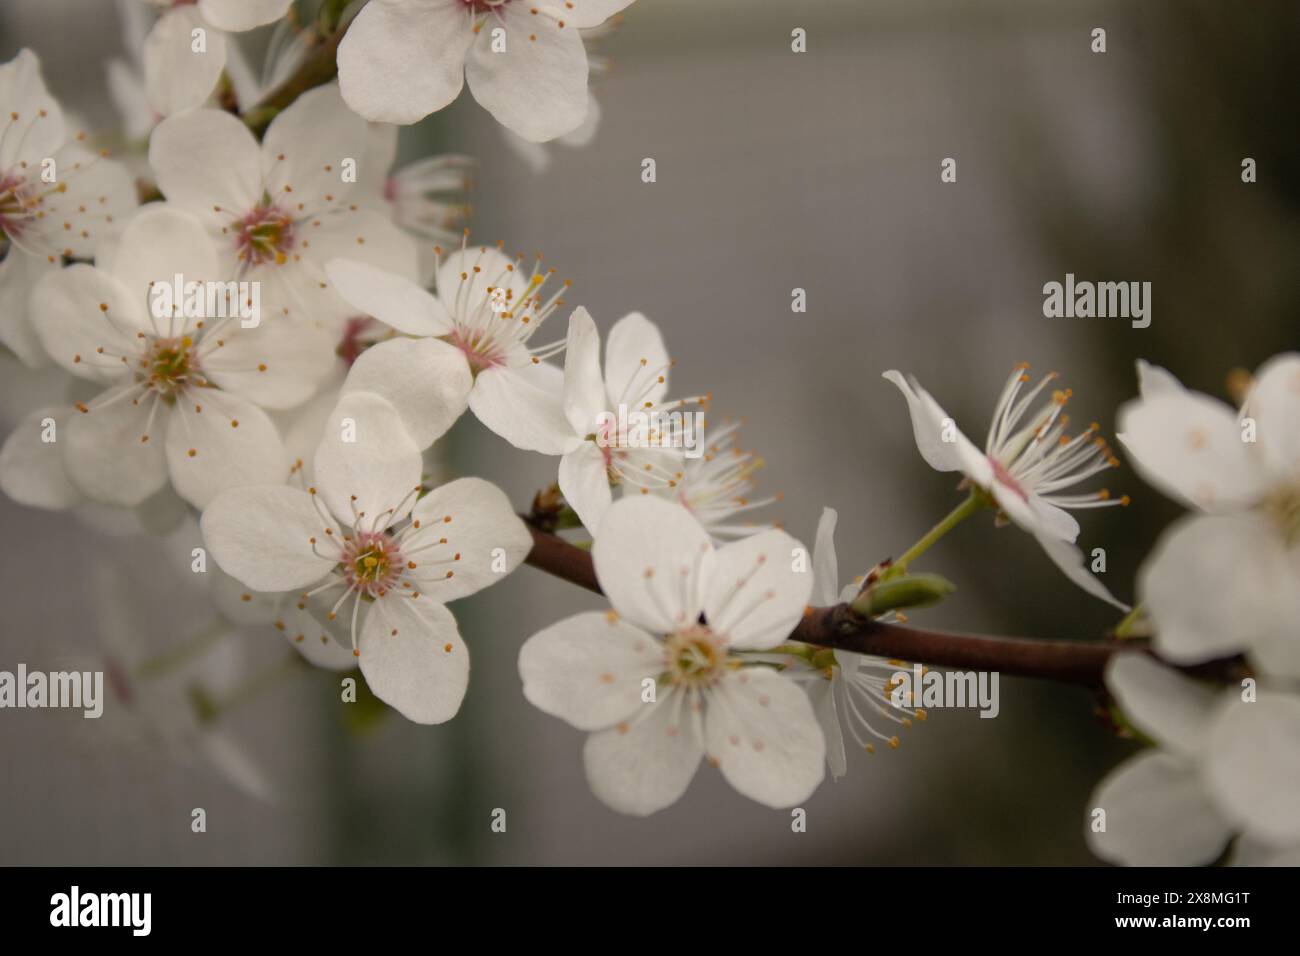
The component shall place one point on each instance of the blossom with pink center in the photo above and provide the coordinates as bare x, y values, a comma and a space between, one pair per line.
524, 59
639, 456
467, 344
1028, 464
278, 210
663, 680
185, 397
382, 555
57, 199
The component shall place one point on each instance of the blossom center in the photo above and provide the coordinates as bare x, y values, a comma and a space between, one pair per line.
14, 205
265, 235
371, 562
695, 657
171, 364
1004, 477
479, 349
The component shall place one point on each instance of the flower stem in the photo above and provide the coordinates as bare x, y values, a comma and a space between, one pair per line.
972, 504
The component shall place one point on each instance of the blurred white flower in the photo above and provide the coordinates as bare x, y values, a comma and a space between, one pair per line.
1027, 465
201, 387
465, 345
1222, 766
57, 199
524, 59
1228, 579
596, 670
352, 535
185, 51
280, 209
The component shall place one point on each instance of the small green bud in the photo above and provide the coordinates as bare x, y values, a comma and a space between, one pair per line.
909, 590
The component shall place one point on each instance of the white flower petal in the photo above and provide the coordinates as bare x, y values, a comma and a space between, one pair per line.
825, 565
31, 469
314, 642
1275, 404
206, 158
1218, 584
392, 299
651, 559
236, 16
73, 323
1167, 706
588, 669
22, 91
587, 13
278, 364
538, 85
1254, 765
635, 362
207, 452
821, 693
98, 193
1189, 446
261, 536
753, 595
1073, 564
524, 405
761, 731
584, 482
646, 763
413, 658
469, 538
426, 380
404, 59
19, 275
159, 243
175, 76
304, 148
1154, 380
1157, 814
584, 390
364, 480
930, 424
105, 455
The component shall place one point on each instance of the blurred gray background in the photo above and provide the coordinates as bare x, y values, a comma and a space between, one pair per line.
775, 170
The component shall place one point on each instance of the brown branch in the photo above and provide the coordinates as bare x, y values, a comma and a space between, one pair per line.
1073, 662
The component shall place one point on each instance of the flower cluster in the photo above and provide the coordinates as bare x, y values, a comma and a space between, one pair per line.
260, 331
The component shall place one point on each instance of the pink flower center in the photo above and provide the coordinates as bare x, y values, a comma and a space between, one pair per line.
1005, 478
265, 235
479, 351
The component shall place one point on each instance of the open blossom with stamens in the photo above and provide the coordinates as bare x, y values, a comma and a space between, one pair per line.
716, 486
525, 60
466, 344
847, 689
1028, 464
185, 396
57, 199
1226, 579
279, 210
388, 557
659, 680
1222, 766
177, 75
609, 443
